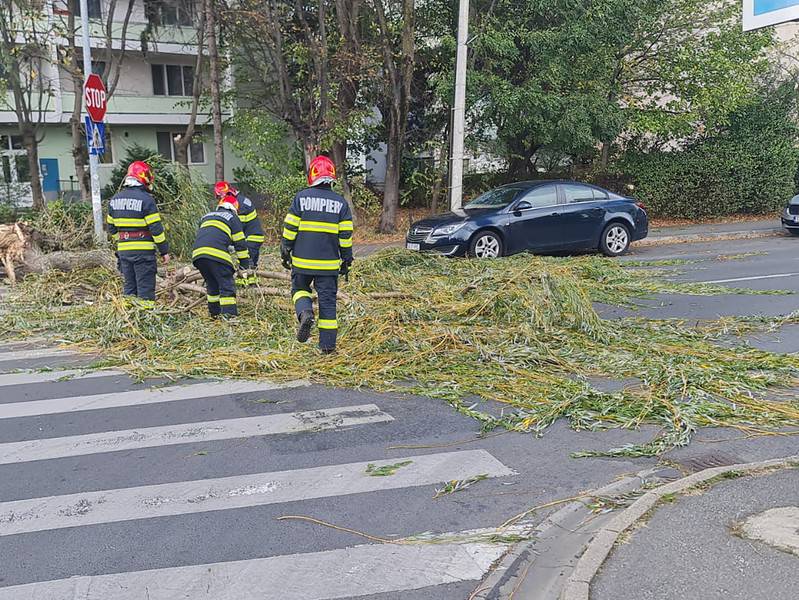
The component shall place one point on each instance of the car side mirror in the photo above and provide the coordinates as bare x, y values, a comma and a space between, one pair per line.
523, 205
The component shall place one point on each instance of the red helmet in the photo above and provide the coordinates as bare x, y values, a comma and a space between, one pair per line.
229, 198
322, 170
223, 188
141, 172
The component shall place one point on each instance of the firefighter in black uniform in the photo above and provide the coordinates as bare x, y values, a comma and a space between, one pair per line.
135, 223
218, 231
253, 232
317, 247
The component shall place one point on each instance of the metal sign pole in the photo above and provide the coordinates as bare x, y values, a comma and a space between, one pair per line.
459, 111
94, 161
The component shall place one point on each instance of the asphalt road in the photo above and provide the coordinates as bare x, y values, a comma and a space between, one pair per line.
87, 508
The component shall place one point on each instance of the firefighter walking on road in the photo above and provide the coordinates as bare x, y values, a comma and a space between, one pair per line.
317, 247
135, 223
218, 231
253, 231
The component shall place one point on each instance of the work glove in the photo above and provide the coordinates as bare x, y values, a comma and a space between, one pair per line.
285, 257
345, 269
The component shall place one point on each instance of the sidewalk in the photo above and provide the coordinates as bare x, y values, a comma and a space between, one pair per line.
662, 235
739, 540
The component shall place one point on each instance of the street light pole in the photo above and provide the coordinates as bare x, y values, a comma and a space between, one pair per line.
94, 161
459, 111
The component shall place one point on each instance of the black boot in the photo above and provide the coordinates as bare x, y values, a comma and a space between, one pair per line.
306, 322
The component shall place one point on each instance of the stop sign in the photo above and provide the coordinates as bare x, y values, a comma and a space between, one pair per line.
94, 95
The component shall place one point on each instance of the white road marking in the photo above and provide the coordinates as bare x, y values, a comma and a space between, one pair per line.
36, 353
755, 278
138, 397
26, 377
341, 573
187, 497
131, 439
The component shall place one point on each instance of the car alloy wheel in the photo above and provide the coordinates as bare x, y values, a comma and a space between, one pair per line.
487, 246
617, 239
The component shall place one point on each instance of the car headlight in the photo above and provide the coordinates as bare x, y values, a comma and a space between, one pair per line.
447, 229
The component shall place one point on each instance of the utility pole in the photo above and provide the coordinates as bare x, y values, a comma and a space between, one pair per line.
459, 111
94, 161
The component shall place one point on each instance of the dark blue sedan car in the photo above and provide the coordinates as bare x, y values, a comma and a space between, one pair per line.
534, 216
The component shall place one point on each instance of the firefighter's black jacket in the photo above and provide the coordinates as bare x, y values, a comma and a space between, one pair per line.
318, 231
135, 223
218, 231
253, 232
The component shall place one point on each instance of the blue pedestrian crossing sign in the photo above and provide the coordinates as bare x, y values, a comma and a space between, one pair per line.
762, 13
95, 136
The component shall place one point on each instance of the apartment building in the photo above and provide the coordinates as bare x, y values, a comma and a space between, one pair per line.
150, 105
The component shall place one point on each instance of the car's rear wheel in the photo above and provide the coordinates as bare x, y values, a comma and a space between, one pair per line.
615, 239
486, 244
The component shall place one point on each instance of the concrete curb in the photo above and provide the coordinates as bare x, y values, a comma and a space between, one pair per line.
578, 583
710, 237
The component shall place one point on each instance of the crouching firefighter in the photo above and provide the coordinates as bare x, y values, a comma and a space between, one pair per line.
135, 223
317, 247
253, 232
218, 231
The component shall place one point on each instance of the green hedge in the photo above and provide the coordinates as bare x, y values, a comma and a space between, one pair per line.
750, 167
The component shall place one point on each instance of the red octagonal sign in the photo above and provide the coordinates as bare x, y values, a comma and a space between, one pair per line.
94, 95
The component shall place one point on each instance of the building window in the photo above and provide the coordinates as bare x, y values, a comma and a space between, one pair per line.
177, 12
166, 147
94, 9
11, 142
173, 80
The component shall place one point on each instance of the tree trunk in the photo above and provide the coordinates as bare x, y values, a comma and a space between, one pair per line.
79, 151
216, 95
604, 158
339, 152
32, 149
388, 217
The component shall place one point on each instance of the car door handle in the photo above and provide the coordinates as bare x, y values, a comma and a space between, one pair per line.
555, 214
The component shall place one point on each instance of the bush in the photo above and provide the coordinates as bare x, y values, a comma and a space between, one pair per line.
749, 167
117, 176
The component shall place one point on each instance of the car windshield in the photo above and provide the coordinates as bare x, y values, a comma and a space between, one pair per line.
496, 198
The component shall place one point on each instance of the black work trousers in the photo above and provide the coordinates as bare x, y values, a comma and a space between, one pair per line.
139, 271
219, 285
326, 287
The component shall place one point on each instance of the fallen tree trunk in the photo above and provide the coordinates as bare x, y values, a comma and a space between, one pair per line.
37, 262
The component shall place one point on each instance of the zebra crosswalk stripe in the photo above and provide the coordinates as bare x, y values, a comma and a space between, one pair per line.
343, 573
145, 502
149, 437
29, 377
35, 353
138, 397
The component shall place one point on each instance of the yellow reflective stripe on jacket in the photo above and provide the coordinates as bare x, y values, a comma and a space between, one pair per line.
129, 222
328, 324
217, 224
152, 218
238, 236
289, 234
345, 226
318, 226
292, 219
109, 219
345, 242
227, 300
256, 238
322, 265
208, 251
301, 294
248, 217
143, 245
243, 253
160, 238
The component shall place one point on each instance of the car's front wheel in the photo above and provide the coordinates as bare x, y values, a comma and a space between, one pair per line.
615, 239
486, 244
794, 231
